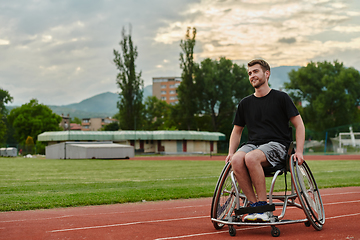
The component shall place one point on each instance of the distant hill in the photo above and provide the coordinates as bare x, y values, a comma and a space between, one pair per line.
79, 113
147, 92
279, 75
104, 102
101, 105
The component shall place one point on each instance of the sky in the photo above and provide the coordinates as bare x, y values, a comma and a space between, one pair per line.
61, 52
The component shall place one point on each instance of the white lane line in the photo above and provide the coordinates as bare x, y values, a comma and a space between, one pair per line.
37, 219
109, 213
127, 224
208, 233
342, 202
340, 216
332, 194
249, 228
161, 220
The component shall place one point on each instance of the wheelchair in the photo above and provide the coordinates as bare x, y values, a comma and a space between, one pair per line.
229, 204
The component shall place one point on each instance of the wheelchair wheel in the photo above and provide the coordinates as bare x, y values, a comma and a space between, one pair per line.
223, 202
308, 193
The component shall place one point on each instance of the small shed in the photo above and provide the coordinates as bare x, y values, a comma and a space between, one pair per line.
8, 152
89, 150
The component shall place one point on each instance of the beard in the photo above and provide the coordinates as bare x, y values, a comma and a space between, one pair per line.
259, 83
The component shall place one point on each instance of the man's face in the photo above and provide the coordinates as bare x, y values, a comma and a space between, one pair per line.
257, 76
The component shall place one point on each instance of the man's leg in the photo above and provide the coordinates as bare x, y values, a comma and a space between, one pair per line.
255, 161
242, 175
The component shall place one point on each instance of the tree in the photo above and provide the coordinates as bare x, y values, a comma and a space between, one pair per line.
3, 130
186, 90
220, 85
331, 94
76, 120
158, 115
114, 126
31, 119
4, 98
29, 145
131, 85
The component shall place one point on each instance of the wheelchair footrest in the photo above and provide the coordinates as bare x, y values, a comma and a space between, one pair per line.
259, 209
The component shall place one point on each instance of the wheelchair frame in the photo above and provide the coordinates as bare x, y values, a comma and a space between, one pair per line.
226, 208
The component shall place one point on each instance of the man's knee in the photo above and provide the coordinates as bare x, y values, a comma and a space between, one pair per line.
237, 161
254, 158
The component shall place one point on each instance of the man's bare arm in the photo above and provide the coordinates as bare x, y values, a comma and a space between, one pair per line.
300, 138
234, 141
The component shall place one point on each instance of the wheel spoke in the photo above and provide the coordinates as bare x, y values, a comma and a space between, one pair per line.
308, 194
224, 198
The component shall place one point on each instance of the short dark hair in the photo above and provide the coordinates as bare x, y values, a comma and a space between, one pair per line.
264, 65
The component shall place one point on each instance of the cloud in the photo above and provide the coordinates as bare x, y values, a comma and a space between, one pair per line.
287, 40
4, 42
263, 28
347, 29
62, 51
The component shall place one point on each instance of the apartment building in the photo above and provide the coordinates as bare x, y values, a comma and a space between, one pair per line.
164, 88
75, 127
95, 124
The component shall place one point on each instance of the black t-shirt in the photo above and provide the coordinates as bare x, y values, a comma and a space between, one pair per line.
267, 118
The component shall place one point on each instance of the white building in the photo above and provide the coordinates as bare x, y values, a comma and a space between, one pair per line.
166, 142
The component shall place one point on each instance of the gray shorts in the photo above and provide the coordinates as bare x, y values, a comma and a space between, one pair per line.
275, 152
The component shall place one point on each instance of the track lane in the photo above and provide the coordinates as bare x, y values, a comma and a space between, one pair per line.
176, 219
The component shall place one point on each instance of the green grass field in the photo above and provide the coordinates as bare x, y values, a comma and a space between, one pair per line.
41, 183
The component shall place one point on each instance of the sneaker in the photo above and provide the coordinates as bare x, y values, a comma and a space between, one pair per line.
257, 217
251, 217
262, 217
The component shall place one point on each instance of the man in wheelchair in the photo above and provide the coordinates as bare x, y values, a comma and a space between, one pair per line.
266, 113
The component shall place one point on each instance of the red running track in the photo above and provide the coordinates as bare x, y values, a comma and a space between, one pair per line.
176, 219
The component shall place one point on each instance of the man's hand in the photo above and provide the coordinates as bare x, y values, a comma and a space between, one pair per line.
228, 158
299, 158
